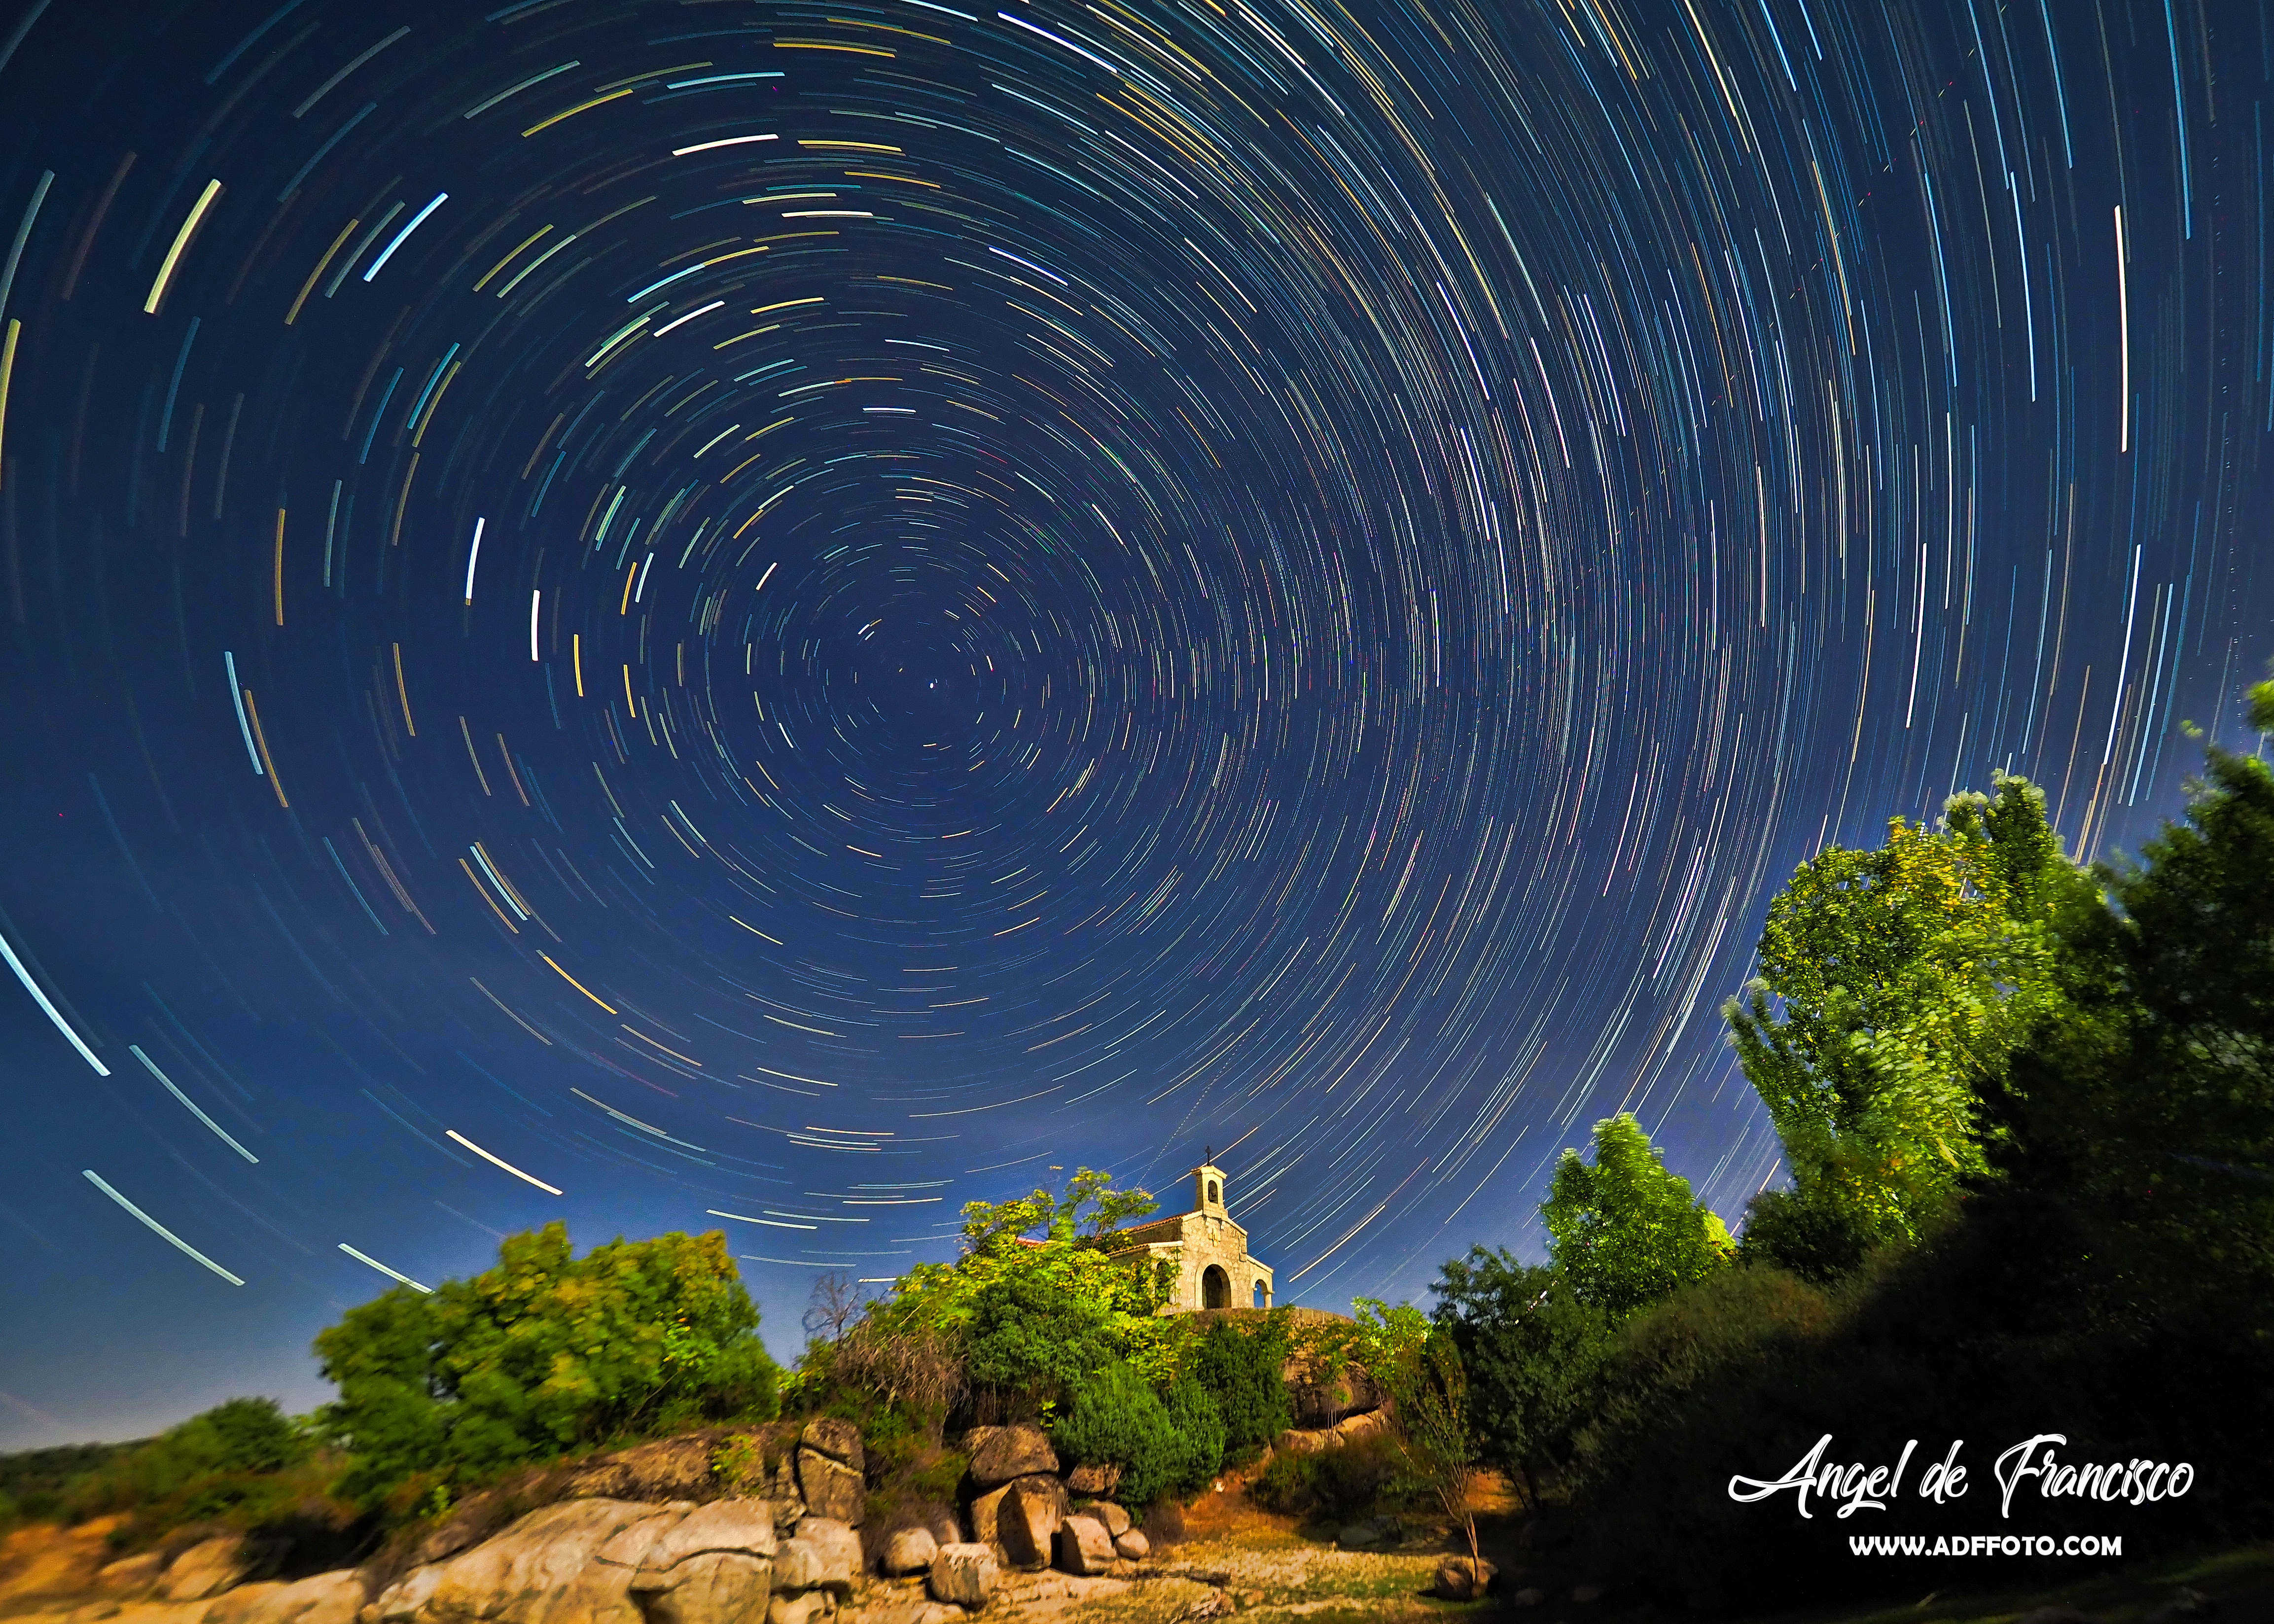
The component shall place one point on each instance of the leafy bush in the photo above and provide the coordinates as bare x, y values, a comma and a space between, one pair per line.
1198, 1427
1033, 1309
1117, 1420
541, 1354
1243, 1372
1362, 1478
1532, 1351
1809, 1232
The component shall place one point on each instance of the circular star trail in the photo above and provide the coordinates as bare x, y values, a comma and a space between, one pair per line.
781, 616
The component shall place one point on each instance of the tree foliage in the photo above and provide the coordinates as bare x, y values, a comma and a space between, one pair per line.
1904, 979
1531, 1350
542, 1354
1624, 1230
1242, 1370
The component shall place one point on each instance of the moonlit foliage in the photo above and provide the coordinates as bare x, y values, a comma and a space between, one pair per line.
784, 615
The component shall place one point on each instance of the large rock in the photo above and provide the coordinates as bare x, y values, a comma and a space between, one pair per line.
570, 1563
1027, 1523
670, 1468
1092, 1478
987, 1510
1116, 1520
830, 1488
1353, 1427
1084, 1546
742, 1526
1463, 1578
1132, 1545
205, 1569
321, 1598
964, 1575
1294, 1442
715, 1586
825, 1555
713, 1567
839, 1440
1011, 1452
812, 1607
131, 1574
909, 1550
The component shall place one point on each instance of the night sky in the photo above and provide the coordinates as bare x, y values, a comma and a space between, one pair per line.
779, 616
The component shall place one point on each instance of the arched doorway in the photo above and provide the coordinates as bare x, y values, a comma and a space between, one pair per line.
1262, 1297
1215, 1286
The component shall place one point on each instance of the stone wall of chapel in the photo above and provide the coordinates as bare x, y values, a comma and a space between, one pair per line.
1214, 1241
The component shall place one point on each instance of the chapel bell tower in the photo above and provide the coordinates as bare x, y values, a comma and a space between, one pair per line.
1207, 1190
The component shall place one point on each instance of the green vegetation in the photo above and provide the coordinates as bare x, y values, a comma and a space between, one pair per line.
1625, 1231
543, 1354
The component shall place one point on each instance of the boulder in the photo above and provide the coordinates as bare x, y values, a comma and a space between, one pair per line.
131, 1575
963, 1574
742, 1526
910, 1550
1091, 1478
1463, 1578
941, 1523
1011, 1452
826, 1554
1369, 1535
712, 1567
1357, 1426
205, 1569
1084, 1546
1116, 1520
1132, 1545
839, 1440
1293, 1442
321, 1598
811, 1608
713, 1587
568, 1563
240, 1604
829, 1487
669, 1469
987, 1510
1029, 1521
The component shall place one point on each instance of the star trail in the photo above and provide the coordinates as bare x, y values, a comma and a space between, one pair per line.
779, 616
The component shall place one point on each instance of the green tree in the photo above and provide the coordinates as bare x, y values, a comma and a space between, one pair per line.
1904, 979
1624, 1230
2153, 1096
541, 1354
1243, 1372
1533, 1352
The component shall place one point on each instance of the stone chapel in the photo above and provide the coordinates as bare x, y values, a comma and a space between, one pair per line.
1209, 1250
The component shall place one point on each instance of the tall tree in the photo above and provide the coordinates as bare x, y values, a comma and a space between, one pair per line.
1904, 979
1532, 1351
1625, 1232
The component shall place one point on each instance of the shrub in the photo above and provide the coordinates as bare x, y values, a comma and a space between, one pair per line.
1364, 1477
1198, 1427
1241, 1371
543, 1353
1532, 1351
1117, 1420
1809, 1232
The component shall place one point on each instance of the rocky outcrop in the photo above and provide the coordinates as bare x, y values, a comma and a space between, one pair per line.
714, 1566
207, 1568
1006, 1453
829, 1469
